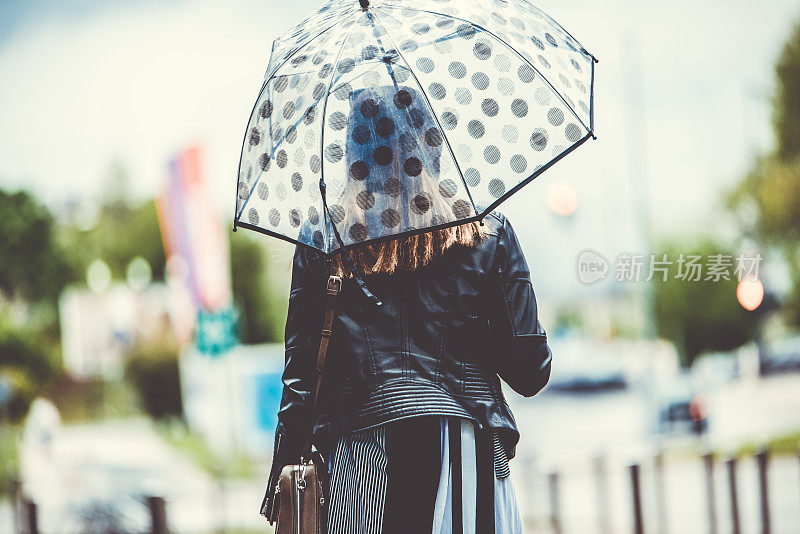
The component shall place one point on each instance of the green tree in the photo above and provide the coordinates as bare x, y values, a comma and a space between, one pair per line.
29, 361
33, 265
33, 271
786, 105
262, 311
771, 190
704, 315
122, 233
154, 371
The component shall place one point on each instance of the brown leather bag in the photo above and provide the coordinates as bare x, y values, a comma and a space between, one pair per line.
301, 503
302, 507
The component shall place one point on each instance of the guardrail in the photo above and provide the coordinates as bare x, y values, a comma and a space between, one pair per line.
600, 473
26, 519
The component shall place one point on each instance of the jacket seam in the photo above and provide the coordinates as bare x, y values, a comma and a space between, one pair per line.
404, 351
437, 374
370, 352
508, 309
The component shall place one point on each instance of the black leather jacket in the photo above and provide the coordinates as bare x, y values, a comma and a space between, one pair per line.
449, 329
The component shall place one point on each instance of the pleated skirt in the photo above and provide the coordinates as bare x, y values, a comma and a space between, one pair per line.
422, 474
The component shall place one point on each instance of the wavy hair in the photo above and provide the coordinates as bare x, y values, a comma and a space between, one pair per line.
407, 254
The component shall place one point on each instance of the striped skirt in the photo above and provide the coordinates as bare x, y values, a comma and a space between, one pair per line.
423, 474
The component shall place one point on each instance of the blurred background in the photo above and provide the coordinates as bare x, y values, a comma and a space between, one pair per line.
141, 339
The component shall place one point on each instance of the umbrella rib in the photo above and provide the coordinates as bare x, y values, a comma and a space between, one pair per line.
591, 101
290, 56
237, 216
563, 29
247, 130
390, 71
433, 114
538, 172
271, 155
503, 41
322, 130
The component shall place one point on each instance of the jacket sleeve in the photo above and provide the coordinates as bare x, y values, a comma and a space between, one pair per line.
303, 324
523, 356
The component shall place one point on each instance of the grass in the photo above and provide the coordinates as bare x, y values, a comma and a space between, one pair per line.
780, 445
9, 461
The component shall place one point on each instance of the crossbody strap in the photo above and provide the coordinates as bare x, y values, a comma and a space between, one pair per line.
333, 288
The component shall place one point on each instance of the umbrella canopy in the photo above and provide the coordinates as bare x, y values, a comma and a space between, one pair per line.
400, 117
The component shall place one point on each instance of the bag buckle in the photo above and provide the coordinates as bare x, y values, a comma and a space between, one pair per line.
334, 285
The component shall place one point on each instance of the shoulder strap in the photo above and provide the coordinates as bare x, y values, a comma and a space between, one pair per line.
333, 289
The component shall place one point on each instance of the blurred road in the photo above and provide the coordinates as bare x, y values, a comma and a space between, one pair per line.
564, 432
685, 495
102, 473
561, 433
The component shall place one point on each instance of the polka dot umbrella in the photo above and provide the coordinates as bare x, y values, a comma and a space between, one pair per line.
398, 116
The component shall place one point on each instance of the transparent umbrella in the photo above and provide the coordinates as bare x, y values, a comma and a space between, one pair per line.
386, 118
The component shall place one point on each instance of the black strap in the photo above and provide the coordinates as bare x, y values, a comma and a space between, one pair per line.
346, 261
485, 470
332, 291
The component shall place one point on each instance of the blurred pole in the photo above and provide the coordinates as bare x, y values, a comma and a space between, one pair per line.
16, 492
555, 503
527, 466
600, 464
711, 498
30, 513
158, 515
734, 496
636, 136
8, 477
661, 495
762, 458
636, 493
223, 506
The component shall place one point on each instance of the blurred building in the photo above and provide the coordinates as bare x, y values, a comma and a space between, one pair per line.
97, 329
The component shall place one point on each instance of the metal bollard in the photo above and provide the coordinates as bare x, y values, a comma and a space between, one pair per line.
736, 527
555, 503
762, 459
711, 498
158, 515
661, 494
601, 487
636, 493
29, 512
16, 496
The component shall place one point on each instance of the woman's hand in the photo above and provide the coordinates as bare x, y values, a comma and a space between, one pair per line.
287, 452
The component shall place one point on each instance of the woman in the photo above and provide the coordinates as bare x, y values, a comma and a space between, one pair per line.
411, 417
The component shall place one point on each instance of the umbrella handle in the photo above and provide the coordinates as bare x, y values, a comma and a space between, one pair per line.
364, 4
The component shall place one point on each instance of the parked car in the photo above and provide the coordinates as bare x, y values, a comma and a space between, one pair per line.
585, 366
682, 409
781, 356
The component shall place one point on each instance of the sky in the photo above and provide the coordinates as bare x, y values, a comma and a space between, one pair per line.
682, 107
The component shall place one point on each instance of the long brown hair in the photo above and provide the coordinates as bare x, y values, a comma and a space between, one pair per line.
407, 254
